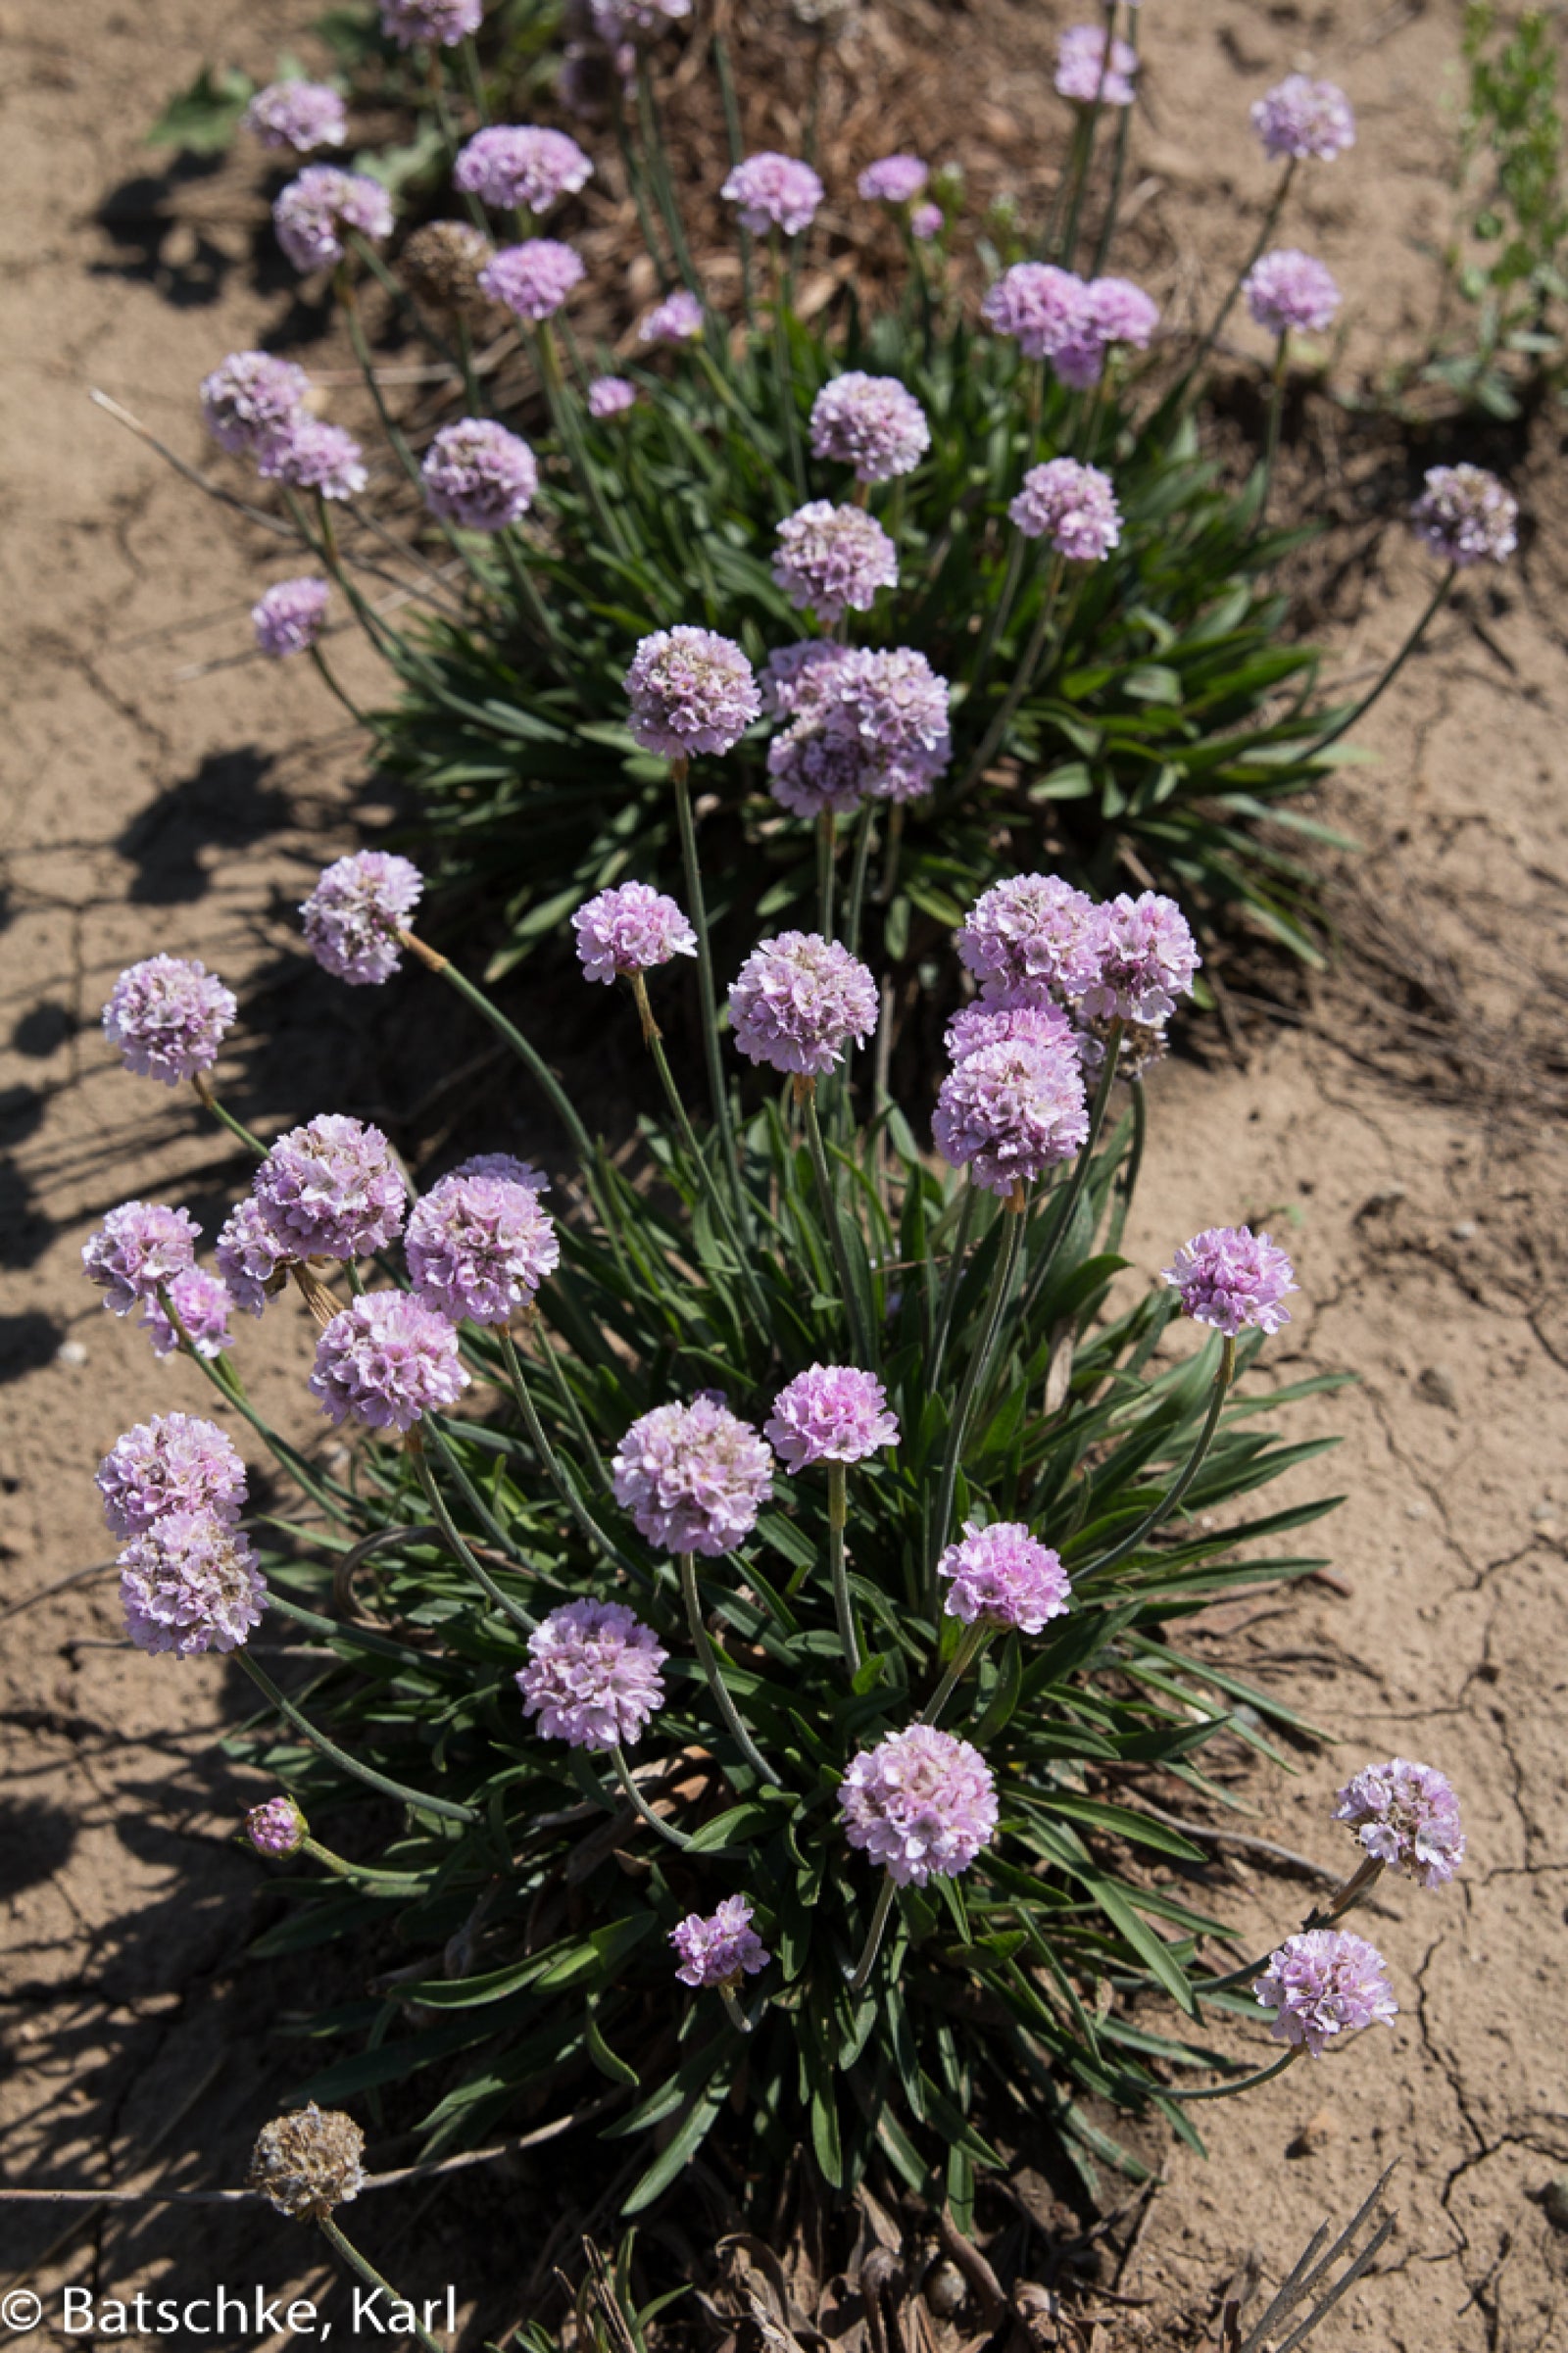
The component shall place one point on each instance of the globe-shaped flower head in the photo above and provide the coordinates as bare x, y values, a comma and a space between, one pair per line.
1465, 515
1145, 957
894, 179
532, 279
387, 1360
1407, 1816
188, 1583
921, 1801
830, 1413
926, 223
331, 1189
720, 1950
871, 423
611, 396
1300, 118
690, 691
167, 1017
250, 396
520, 168
478, 475
1121, 313
309, 454
478, 1246
678, 319
1043, 308
201, 1307
443, 22
1321, 1984
1072, 506
773, 191
251, 1259
629, 929
591, 1677
175, 1462
354, 916
1233, 1280
1017, 1014
798, 1001
313, 213
139, 1247
1007, 1113
290, 616
1001, 1577
832, 557
300, 114
1086, 75
693, 1477
1291, 293
276, 1827
1031, 932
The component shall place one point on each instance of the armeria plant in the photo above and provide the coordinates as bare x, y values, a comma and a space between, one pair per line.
759, 1582
993, 585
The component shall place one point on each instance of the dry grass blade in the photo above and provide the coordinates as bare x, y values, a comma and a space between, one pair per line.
1305, 2278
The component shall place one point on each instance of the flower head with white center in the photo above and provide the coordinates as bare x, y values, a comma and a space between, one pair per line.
693, 1477
1145, 957
1407, 1817
798, 1001
190, 1584
353, 918
1032, 931
387, 1360
830, 1413
591, 1677
1323, 1984
167, 1017
1233, 1280
921, 1801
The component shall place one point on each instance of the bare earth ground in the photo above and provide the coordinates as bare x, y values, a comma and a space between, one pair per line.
1402, 1141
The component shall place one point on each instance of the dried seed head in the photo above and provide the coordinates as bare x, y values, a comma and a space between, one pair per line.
309, 2162
442, 263
827, 19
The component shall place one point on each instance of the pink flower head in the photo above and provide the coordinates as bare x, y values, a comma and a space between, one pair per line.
611, 396
331, 1189
506, 1165
250, 1259
139, 1247
1301, 117
190, 1584
690, 691
921, 1801
1407, 1816
1322, 1983
678, 319
1025, 1014
591, 1677
1007, 1113
167, 1017
354, 916
895, 179
308, 454
250, 396
387, 1360
716, 1951
1233, 1279
798, 1001
832, 1413
630, 929
202, 1305
861, 723
1033, 931
532, 279
443, 22
1001, 1577
290, 617
300, 114
618, 21
693, 1477
1083, 74
926, 222
1465, 515
313, 213
175, 1462
1043, 308
1072, 506
1121, 313
774, 192
1145, 957
1291, 293
869, 423
833, 557
478, 475
478, 1246
520, 168
276, 1827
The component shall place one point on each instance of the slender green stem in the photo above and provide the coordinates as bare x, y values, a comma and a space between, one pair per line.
1224, 2092
1069, 240
236, 1127
1345, 1898
455, 1538
1271, 435
445, 1808
561, 409
737, 150
475, 74
972, 1642
1024, 677
873, 1937
1007, 1254
399, 1880
532, 1060
843, 1607
1118, 168
1352, 717
1001, 614
832, 1218
295, 1464
640, 1804
319, 660
703, 1647
826, 853
554, 1468
858, 874
784, 369
1188, 385
951, 1279
1127, 1181
570, 1405
1061, 1214
737, 2016
697, 909
372, 2278
705, 1176
1173, 1494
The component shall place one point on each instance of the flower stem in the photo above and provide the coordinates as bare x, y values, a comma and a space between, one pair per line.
446, 1808
555, 1467
858, 873
826, 846
665, 1829
1183, 1480
236, 1127
781, 361
1347, 1895
972, 1642
450, 1530
873, 1938
688, 1136
1271, 438
370, 2275
528, 1055
843, 1607
954, 1277
1062, 1215
832, 1218
1008, 1255
1069, 240
359, 1871
1224, 2092
1351, 717
1188, 386
703, 1647
737, 2016
319, 660
697, 909
1024, 677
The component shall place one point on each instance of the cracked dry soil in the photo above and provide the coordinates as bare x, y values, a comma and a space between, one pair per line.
1405, 1139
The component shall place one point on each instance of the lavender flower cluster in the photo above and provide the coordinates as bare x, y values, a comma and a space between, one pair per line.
860, 725
1071, 323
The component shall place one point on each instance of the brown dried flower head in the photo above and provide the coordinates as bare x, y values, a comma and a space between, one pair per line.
306, 2163
442, 262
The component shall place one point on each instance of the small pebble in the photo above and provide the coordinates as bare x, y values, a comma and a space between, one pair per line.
1316, 2134
1437, 1384
1554, 2202
1464, 1231
944, 2288
71, 1351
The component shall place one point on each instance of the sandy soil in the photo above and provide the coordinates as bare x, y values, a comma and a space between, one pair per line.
1415, 1170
